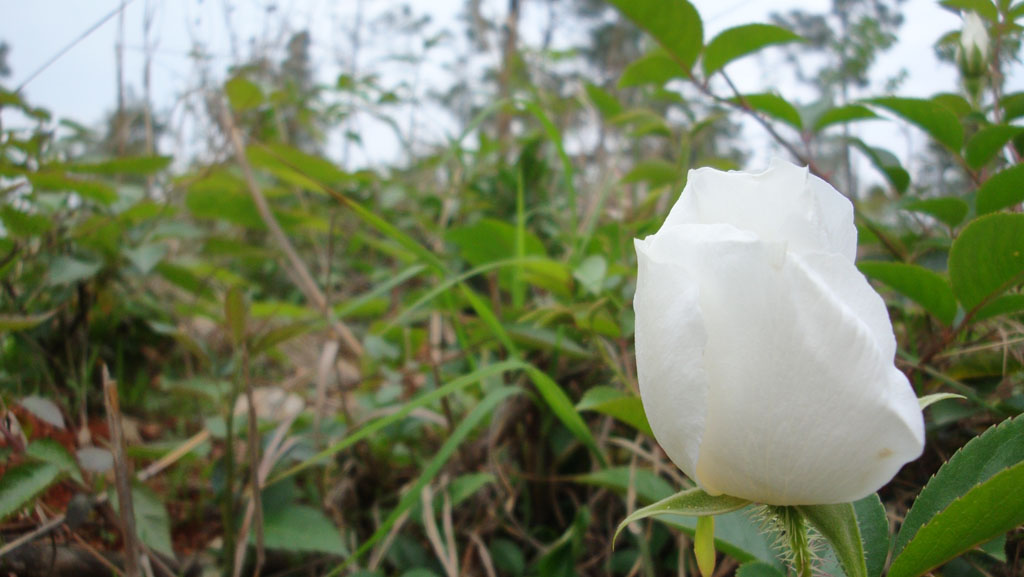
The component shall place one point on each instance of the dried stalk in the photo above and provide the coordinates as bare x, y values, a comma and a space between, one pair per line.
275, 450
294, 266
122, 476
255, 502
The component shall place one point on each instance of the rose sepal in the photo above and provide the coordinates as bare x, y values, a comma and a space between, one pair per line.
693, 502
838, 525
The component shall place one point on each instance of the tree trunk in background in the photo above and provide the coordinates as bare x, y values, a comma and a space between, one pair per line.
508, 61
121, 124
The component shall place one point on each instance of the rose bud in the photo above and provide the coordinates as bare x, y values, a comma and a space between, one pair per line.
764, 357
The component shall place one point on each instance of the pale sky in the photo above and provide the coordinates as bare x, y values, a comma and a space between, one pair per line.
81, 85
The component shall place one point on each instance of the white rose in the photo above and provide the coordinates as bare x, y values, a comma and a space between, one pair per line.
972, 53
765, 359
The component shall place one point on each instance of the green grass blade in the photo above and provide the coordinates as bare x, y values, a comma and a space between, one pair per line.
421, 401
410, 498
563, 408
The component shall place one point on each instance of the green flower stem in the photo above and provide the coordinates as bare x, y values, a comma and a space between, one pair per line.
793, 528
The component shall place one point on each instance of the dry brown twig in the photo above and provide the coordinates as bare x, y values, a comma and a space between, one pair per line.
276, 449
122, 476
444, 549
294, 266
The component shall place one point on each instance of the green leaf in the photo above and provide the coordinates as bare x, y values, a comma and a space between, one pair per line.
243, 94
21, 224
544, 339
935, 119
508, 557
423, 400
841, 114
138, 165
983, 457
772, 105
278, 335
605, 103
354, 304
929, 400
923, 286
987, 142
874, 532
259, 157
656, 67
58, 182
987, 258
591, 273
986, 511
610, 401
490, 240
1004, 305
10, 323
300, 528
740, 41
145, 257
838, 524
985, 8
317, 172
1002, 190
955, 102
50, 451
675, 24
738, 534
43, 409
948, 210
554, 135
465, 486
648, 485
654, 172
691, 503
151, 520
1013, 105
758, 569
220, 196
886, 163
562, 407
643, 121
185, 278
21, 483
67, 270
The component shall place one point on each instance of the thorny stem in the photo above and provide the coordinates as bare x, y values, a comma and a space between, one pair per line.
794, 536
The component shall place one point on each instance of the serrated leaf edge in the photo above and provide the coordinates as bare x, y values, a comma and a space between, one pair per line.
896, 553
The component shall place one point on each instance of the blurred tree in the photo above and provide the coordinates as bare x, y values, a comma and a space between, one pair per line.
851, 37
5, 69
293, 111
301, 126
125, 131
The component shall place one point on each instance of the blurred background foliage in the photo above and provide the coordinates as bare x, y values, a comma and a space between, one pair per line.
427, 366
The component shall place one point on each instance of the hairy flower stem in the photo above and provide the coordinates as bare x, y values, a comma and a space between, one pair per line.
793, 531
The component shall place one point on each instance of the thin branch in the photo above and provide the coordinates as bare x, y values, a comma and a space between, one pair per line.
69, 46
742, 103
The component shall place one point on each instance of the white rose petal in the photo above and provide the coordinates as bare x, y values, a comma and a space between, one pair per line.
974, 34
764, 357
